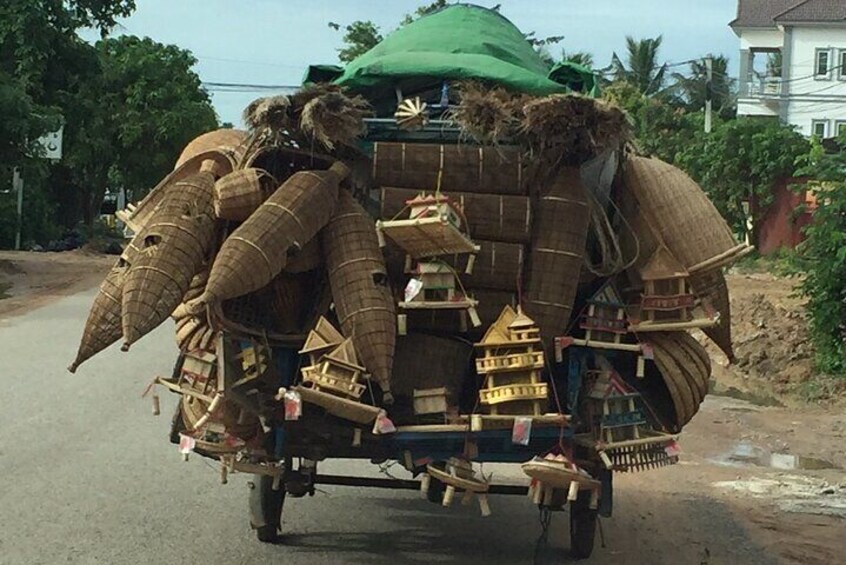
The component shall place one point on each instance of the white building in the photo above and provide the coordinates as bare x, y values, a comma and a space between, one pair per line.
793, 62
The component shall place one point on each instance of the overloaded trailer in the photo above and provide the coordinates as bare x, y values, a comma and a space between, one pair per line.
443, 255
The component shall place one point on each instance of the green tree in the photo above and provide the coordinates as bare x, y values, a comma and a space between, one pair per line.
579, 57
641, 68
693, 89
824, 250
359, 38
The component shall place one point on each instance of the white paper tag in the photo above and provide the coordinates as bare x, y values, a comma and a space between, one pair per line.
293, 405
521, 433
383, 424
412, 289
186, 444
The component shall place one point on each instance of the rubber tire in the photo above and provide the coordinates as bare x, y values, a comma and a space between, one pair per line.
582, 526
270, 504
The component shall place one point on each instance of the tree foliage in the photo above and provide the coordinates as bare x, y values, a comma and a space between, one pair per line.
359, 38
641, 69
824, 249
692, 90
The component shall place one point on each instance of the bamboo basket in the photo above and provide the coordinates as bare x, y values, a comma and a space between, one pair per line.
681, 216
493, 217
462, 168
307, 259
240, 193
293, 297
224, 139
683, 372
103, 326
177, 242
447, 363
712, 288
359, 281
258, 249
222, 162
557, 252
455, 322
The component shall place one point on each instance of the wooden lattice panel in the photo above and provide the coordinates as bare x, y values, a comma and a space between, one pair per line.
427, 237
513, 393
512, 362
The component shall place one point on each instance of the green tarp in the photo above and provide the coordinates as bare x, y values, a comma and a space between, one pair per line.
458, 42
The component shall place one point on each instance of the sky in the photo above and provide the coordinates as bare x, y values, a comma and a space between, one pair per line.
270, 42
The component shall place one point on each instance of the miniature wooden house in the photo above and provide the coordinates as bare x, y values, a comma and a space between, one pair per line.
322, 339
434, 288
605, 322
337, 372
512, 360
431, 401
434, 227
667, 303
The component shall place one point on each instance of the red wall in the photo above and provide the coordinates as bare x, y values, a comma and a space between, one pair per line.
782, 225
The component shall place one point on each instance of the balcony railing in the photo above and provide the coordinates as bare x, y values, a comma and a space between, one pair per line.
764, 87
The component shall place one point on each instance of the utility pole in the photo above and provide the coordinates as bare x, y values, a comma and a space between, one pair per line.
709, 69
17, 186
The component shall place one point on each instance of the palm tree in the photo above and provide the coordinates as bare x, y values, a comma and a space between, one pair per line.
692, 89
642, 69
582, 58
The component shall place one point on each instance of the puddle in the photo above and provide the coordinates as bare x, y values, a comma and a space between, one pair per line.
750, 397
793, 493
746, 454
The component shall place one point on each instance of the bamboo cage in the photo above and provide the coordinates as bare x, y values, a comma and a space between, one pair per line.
176, 245
258, 249
494, 217
557, 252
360, 288
240, 193
461, 168
681, 215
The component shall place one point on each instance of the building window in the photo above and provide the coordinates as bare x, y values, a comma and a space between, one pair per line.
819, 128
841, 65
823, 63
839, 127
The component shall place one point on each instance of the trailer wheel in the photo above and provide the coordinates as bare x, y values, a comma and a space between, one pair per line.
582, 526
266, 507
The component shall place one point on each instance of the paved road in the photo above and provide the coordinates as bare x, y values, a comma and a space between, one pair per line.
89, 477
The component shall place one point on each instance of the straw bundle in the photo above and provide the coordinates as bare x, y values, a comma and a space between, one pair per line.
570, 128
271, 113
489, 115
177, 242
335, 119
711, 288
240, 193
103, 325
557, 252
493, 217
359, 282
680, 215
258, 249
458, 168
224, 139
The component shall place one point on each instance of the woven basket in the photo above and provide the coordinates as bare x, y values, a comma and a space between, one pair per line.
258, 249
224, 163
241, 192
293, 298
307, 259
455, 322
282, 162
684, 373
360, 287
712, 289
557, 252
177, 242
463, 168
103, 326
492, 217
447, 363
680, 215
224, 139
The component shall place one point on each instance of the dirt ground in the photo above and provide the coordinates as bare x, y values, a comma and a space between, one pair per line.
30, 280
770, 460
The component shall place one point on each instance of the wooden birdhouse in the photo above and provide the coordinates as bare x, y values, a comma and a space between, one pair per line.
434, 288
431, 401
512, 360
434, 227
455, 474
337, 372
667, 303
323, 338
199, 366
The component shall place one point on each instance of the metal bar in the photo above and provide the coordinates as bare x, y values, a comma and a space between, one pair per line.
403, 484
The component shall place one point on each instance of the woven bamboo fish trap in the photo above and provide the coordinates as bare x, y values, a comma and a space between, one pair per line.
360, 289
220, 161
177, 242
224, 139
306, 259
258, 249
557, 252
681, 215
463, 168
493, 217
712, 288
454, 322
283, 161
103, 326
240, 193
447, 362
684, 372
293, 298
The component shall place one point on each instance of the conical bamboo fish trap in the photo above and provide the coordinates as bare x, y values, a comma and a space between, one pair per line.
177, 242
258, 249
103, 326
681, 215
224, 139
557, 252
240, 193
712, 288
684, 372
359, 282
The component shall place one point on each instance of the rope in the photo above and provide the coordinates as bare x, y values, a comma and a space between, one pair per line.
545, 518
612, 260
